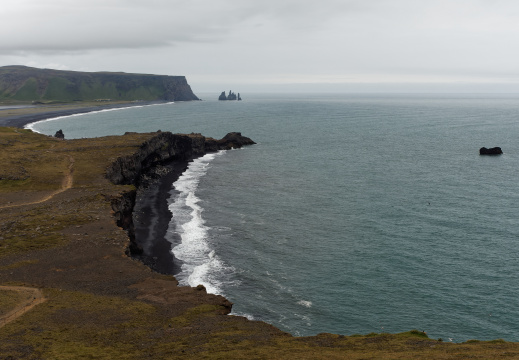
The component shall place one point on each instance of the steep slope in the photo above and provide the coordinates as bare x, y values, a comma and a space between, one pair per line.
23, 83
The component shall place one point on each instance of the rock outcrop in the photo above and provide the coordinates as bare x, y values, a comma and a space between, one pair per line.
122, 207
231, 96
167, 147
233, 140
59, 134
161, 149
491, 151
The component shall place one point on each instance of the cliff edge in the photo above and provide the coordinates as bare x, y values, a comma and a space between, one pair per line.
58, 233
22, 83
136, 169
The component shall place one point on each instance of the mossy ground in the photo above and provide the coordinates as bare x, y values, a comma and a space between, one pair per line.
101, 304
9, 299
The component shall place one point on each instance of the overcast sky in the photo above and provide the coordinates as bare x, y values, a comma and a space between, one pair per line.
335, 45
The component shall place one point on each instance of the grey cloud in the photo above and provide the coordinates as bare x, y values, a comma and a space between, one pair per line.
60, 27
64, 26
285, 39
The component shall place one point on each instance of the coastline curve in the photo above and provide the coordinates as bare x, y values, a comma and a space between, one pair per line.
152, 170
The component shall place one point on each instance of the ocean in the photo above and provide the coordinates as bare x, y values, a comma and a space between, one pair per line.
352, 214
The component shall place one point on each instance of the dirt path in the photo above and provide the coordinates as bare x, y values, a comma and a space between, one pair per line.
34, 297
66, 184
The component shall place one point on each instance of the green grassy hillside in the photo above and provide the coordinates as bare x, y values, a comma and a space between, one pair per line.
21, 83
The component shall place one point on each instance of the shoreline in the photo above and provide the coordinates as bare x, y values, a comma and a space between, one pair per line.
151, 213
152, 218
148, 216
23, 117
102, 303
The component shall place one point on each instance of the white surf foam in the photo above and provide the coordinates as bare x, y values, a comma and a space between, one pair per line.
249, 317
305, 303
200, 263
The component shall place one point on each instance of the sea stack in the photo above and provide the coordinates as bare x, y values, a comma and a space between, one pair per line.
230, 96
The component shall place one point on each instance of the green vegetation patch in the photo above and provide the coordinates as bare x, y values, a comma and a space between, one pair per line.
29, 91
9, 299
61, 89
497, 341
71, 325
97, 90
19, 264
36, 229
413, 334
194, 314
27, 156
7, 185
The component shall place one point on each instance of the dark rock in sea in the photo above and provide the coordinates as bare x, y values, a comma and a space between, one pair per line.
232, 140
231, 96
236, 139
59, 134
492, 151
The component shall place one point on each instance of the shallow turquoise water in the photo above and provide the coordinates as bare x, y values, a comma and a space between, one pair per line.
353, 213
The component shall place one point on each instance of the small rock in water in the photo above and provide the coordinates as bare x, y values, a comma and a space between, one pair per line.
492, 151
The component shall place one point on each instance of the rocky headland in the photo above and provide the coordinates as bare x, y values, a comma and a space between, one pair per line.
66, 230
152, 170
26, 84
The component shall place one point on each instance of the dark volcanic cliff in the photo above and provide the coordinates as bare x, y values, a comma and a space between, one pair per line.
21, 83
146, 163
166, 147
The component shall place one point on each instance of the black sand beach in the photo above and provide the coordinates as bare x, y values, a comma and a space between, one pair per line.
152, 219
22, 118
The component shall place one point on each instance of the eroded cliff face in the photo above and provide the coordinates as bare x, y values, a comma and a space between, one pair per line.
24, 83
164, 148
177, 89
122, 207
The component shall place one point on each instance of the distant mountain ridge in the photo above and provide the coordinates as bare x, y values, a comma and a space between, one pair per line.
22, 83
